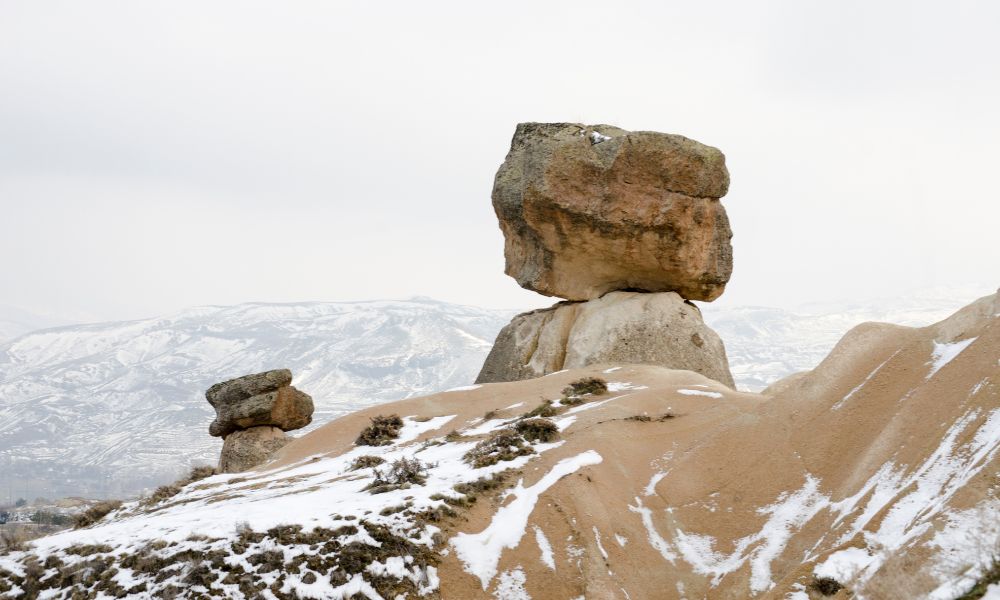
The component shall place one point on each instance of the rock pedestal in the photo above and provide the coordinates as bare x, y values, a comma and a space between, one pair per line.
620, 327
252, 415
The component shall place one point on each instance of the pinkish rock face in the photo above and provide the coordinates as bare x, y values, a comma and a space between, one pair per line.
586, 210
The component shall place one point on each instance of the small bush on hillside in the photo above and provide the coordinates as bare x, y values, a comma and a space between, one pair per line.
506, 444
648, 419
537, 430
165, 492
588, 386
13, 540
366, 462
545, 409
483, 484
381, 432
95, 513
826, 586
400, 473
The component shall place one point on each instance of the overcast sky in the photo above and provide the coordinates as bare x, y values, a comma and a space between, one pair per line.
158, 155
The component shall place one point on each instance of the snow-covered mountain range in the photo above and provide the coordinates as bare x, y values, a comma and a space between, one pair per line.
110, 409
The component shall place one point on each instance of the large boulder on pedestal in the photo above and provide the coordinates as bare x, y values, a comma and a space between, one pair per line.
590, 209
618, 328
260, 399
252, 414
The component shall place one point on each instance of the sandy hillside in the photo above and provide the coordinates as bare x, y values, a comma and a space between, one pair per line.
876, 470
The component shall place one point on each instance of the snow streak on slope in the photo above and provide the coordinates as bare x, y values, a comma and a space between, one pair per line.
109, 409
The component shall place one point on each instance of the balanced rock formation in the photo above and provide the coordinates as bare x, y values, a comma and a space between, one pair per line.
586, 210
620, 327
252, 414
627, 226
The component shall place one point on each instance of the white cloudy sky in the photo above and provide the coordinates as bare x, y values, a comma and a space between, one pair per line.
156, 155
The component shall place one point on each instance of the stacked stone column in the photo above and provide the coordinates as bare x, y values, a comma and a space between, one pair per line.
252, 415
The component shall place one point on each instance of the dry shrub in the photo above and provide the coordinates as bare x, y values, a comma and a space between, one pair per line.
381, 432
649, 419
483, 484
165, 492
825, 586
506, 444
366, 462
588, 386
537, 430
13, 539
401, 473
95, 513
545, 409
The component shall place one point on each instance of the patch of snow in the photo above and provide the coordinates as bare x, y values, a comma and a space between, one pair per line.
464, 388
600, 546
843, 565
910, 502
687, 392
514, 405
622, 386
597, 138
545, 547
612, 370
651, 486
945, 353
963, 544
488, 427
413, 429
480, 552
622, 540
653, 536
785, 516
511, 586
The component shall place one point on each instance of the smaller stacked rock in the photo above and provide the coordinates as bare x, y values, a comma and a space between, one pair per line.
252, 414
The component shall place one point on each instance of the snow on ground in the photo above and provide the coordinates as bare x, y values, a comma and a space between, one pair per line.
545, 547
226, 517
480, 552
688, 392
945, 353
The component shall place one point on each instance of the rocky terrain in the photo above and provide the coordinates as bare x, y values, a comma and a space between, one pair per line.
872, 474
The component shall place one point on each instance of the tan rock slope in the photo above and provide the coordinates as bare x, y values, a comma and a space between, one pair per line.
876, 471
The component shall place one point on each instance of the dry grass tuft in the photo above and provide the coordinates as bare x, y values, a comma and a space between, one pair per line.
401, 473
95, 513
506, 444
537, 430
381, 432
576, 391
